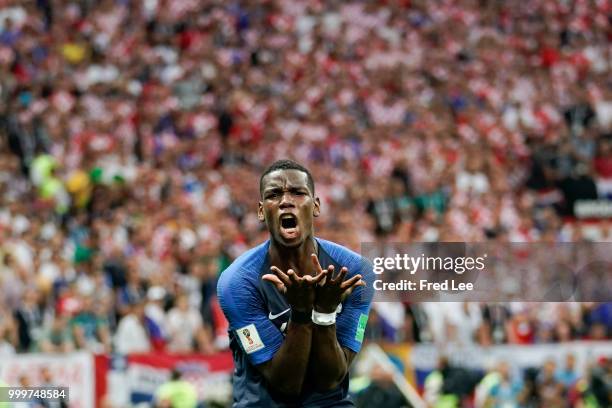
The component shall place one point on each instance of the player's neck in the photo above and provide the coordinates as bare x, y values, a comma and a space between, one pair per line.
296, 258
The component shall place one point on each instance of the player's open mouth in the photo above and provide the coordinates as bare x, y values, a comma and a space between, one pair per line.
288, 226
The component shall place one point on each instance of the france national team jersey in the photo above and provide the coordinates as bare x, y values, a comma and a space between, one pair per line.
258, 316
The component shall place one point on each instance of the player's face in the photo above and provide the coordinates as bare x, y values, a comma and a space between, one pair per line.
288, 206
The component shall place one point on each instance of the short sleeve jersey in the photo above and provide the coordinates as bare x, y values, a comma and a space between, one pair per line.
258, 315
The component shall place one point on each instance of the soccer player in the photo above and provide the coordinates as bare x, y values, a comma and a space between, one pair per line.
295, 327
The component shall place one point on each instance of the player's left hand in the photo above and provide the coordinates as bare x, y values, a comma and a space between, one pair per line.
331, 291
298, 290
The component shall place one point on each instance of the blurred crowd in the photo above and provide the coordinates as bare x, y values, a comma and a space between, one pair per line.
485, 324
551, 385
132, 135
566, 381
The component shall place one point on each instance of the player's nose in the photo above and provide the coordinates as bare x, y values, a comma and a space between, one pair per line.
286, 200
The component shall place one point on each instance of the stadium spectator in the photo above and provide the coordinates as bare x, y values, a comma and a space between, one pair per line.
507, 392
599, 387
90, 329
8, 335
57, 338
449, 385
521, 328
550, 392
568, 375
132, 335
381, 392
176, 393
131, 292
184, 325
29, 320
154, 308
46, 380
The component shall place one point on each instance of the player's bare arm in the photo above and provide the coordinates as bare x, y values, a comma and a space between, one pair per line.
330, 361
287, 370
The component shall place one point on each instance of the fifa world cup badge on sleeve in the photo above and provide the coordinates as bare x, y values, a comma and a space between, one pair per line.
249, 337
361, 326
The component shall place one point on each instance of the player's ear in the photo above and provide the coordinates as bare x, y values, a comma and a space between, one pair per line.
260, 212
317, 207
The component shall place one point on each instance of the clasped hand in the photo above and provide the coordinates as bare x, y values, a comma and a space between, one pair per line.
323, 291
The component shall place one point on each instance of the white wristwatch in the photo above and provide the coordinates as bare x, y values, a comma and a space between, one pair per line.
323, 319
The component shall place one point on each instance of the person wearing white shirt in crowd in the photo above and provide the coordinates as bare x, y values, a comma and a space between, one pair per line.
154, 308
183, 324
131, 334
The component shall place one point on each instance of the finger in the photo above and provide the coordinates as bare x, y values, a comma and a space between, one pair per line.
350, 282
350, 290
330, 271
280, 286
293, 277
341, 275
281, 275
317, 279
346, 293
272, 278
315, 262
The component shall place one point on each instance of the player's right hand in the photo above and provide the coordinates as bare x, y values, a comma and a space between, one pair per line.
298, 290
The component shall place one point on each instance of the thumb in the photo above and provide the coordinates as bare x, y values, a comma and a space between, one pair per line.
347, 292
